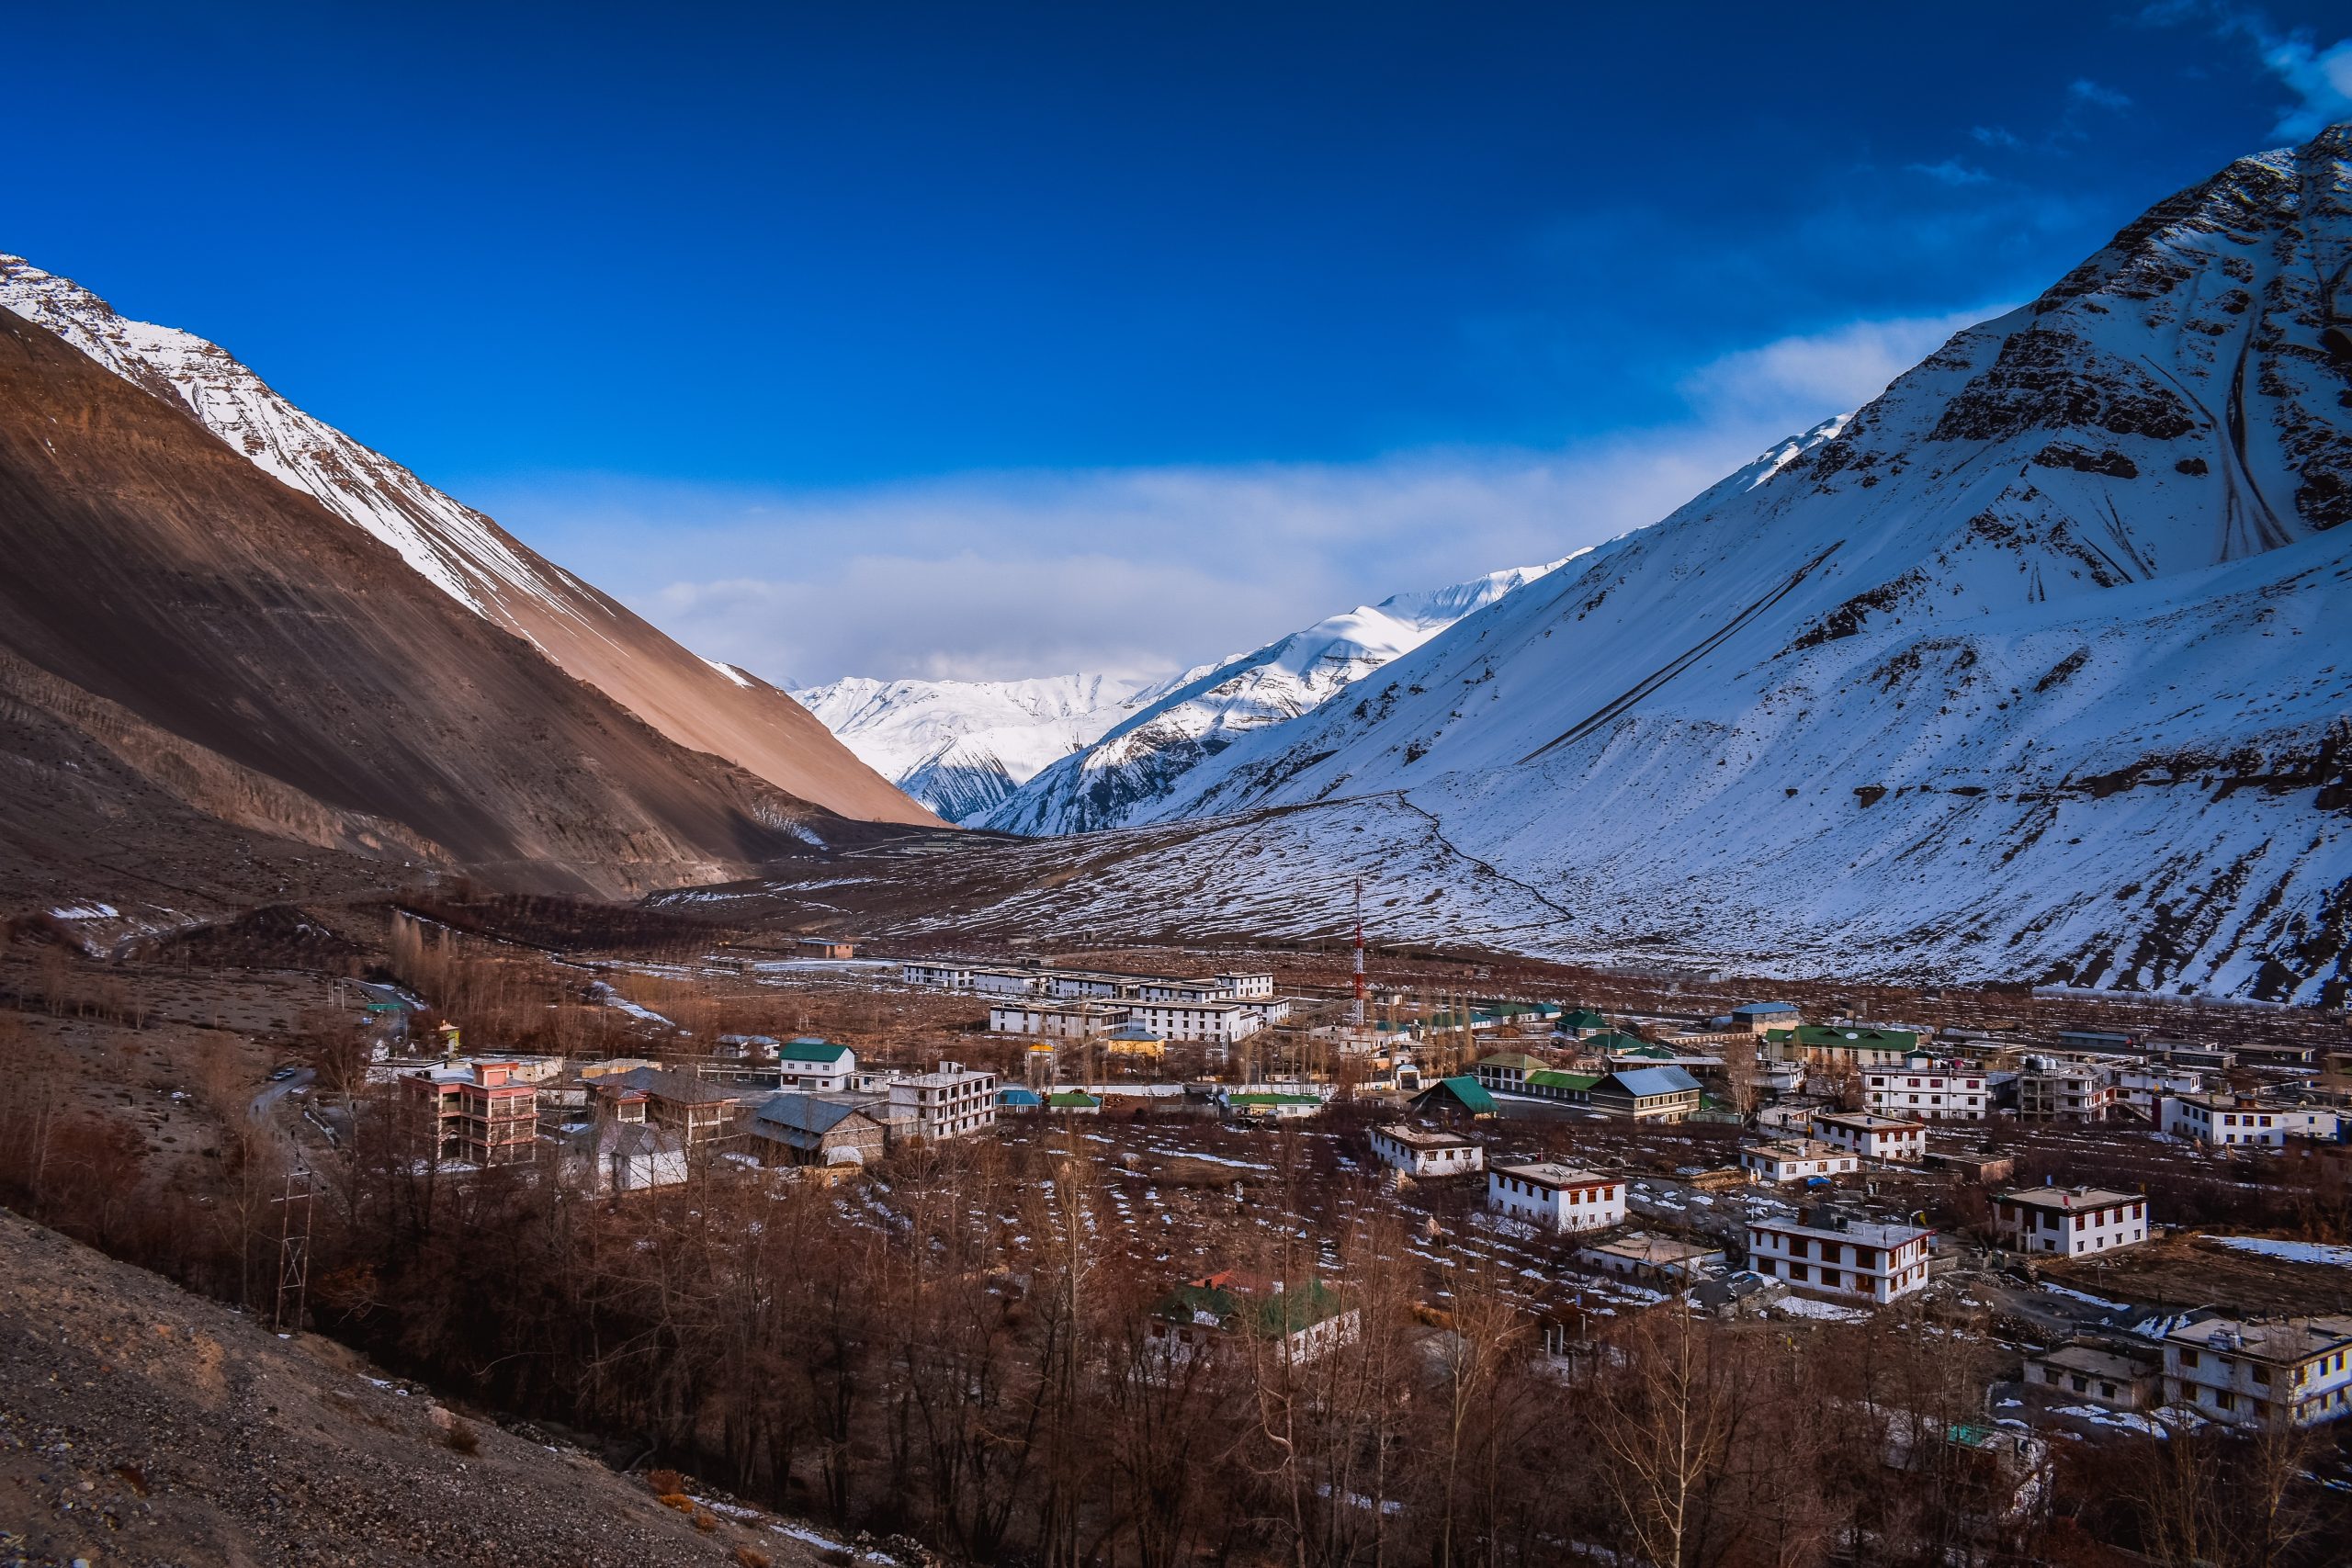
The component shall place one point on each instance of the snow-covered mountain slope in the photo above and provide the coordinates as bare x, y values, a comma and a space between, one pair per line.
961, 747
2039, 668
705, 706
1143, 768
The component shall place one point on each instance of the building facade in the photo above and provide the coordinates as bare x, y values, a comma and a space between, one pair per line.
952, 1102
1556, 1198
2068, 1221
1872, 1136
1795, 1159
1416, 1151
2250, 1373
1844, 1259
1922, 1088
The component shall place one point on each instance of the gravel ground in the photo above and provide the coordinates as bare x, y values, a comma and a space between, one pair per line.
140, 1425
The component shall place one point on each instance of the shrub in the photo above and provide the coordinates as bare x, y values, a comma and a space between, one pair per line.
462, 1438
752, 1557
679, 1501
665, 1482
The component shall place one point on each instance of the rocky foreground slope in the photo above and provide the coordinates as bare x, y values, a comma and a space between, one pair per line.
702, 706
140, 1425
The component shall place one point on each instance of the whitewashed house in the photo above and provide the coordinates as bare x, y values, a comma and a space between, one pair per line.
2224, 1121
2069, 1222
1221, 1022
1556, 1197
1057, 1021
1924, 1088
1840, 1258
2253, 1373
815, 1066
1871, 1135
1419, 1152
1778, 1160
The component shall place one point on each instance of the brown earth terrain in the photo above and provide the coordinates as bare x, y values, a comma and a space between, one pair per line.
145, 1425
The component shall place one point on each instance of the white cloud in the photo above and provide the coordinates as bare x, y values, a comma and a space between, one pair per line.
1951, 171
1146, 570
1994, 136
2084, 90
2320, 78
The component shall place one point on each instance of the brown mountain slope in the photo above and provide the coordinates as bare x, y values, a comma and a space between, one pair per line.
258, 658
470, 557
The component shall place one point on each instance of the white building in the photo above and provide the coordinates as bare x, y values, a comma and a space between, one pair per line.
950, 1103
2069, 1221
1224, 1022
1418, 1152
2223, 1121
1795, 1159
1872, 1136
2144, 1088
1249, 987
1844, 1259
815, 1066
1057, 1021
1926, 1089
1556, 1197
2250, 1374
2065, 1091
945, 974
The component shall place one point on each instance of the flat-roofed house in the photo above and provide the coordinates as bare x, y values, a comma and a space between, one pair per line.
952, 1102
1057, 1019
2104, 1375
2224, 1121
2251, 1372
1872, 1136
1417, 1151
1556, 1198
1925, 1088
1755, 1018
1844, 1259
1776, 1160
2067, 1091
478, 1112
1222, 1023
2069, 1222
1645, 1257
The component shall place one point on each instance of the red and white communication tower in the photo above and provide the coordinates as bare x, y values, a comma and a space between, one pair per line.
1355, 1011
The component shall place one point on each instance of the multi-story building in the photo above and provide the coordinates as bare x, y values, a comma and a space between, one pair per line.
477, 1113
1556, 1197
1872, 1136
2256, 1374
1842, 1045
1843, 1258
952, 1102
2069, 1221
2065, 1091
815, 1066
698, 1113
1219, 1022
1776, 1160
1058, 1021
2224, 1121
1416, 1151
1925, 1088
1755, 1018
1506, 1072
2143, 1088
1646, 1094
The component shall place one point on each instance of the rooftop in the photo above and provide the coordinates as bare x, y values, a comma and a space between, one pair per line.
1423, 1138
2069, 1196
1646, 1249
2286, 1340
1868, 1120
682, 1089
1550, 1173
1794, 1148
1868, 1233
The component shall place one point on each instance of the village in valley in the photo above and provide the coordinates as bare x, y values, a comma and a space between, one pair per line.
1249, 1224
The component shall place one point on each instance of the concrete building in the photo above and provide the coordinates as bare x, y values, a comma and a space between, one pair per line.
1506, 1072
1645, 1257
2223, 1121
826, 947
1838, 1044
1419, 1152
2069, 1222
814, 1066
1556, 1198
1272, 1105
1829, 1255
1221, 1022
636, 1156
1872, 1136
1778, 1160
479, 1113
1755, 1018
952, 1102
1058, 1019
1925, 1088
2250, 1373
2107, 1376
2065, 1091
700, 1114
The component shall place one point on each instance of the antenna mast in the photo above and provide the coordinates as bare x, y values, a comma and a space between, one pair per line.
1355, 1010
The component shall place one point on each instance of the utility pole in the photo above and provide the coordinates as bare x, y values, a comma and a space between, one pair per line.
1355, 1010
293, 1252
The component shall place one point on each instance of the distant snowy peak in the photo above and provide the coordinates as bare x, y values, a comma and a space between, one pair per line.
1150, 756
960, 747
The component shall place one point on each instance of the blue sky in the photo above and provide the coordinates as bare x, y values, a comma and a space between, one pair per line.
999, 339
